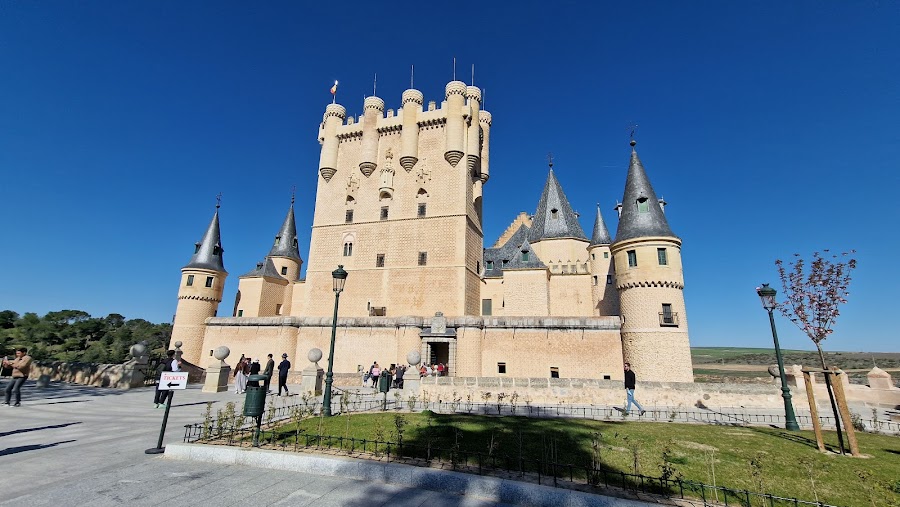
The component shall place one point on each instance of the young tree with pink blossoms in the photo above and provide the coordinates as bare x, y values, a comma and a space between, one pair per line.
814, 291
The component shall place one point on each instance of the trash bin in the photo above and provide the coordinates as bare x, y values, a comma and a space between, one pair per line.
384, 382
255, 401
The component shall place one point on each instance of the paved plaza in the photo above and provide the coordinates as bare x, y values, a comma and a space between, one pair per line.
78, 445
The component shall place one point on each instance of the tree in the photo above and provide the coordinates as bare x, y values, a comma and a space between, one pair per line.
813, 295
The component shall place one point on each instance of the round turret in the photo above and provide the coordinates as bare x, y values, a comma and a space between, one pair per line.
414, 96
373, 110
333, 117
412, 101
455, 128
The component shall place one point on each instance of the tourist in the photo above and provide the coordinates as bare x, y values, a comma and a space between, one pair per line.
428, 370
629, 391
283, 368
21, 367
240, 376
440, 369
398, 381
376, 372
167, 364
270, 369
422, 371
254, 370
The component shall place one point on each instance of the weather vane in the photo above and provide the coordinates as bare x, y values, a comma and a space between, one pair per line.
550, 159
219, 200
293, 193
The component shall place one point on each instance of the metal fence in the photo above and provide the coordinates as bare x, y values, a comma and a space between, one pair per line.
552, 473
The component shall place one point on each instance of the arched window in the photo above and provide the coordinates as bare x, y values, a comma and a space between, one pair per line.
348, 249
350, 200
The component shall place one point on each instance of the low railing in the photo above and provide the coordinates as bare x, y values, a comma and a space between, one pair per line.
556, 474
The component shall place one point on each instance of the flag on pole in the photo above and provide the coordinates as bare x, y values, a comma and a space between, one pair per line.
334, 88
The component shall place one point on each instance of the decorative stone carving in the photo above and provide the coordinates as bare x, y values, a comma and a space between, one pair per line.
314, 356
413, 358
221, 353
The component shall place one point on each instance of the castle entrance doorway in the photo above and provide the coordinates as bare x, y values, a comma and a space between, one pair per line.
440, 350
440, 353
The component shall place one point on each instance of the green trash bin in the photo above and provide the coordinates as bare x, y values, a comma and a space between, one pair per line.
255, 402
384, 382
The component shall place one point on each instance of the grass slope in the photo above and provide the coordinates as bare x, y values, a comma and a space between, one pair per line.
691, 448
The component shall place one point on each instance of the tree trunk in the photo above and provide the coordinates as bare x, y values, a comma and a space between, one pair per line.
821, 355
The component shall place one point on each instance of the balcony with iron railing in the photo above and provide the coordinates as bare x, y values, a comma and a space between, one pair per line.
668, 319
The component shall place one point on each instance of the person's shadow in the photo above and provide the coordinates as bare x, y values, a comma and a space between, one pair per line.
33, 447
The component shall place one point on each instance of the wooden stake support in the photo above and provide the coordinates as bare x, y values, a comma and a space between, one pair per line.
813, 411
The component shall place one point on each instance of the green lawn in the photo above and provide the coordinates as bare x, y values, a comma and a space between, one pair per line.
692, 448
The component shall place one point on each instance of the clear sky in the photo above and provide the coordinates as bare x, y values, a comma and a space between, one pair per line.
769, 127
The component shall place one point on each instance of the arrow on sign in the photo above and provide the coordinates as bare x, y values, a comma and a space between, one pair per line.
170, 384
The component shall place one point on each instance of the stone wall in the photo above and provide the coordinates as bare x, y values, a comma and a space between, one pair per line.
119, 376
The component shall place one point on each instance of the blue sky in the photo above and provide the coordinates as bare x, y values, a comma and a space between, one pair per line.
769, 127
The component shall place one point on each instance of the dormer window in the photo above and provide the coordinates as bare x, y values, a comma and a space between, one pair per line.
216, 250
524, 255
554, 214
294, 242
277, 240
196, 247
643, 205
489, 265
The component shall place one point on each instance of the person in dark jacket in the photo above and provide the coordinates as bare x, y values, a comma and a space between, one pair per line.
630, 381
283, 368
270, 368
254, 370
166, 365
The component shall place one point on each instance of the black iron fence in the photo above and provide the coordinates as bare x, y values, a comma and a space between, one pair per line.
592, 478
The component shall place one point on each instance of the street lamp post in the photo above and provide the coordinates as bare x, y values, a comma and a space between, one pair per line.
767, 296
339, 276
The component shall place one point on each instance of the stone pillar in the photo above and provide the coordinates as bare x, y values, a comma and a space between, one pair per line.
133, 371
312, 375
218, 372
411, 382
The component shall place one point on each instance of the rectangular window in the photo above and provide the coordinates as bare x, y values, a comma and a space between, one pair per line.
240, 313
607, 377
595, 280
384, 212
554, 372
667, 317
283, 270
662, 256
487, 306
488, 265
501, 367
190, 280
606, 255
278, 309
421, 212
209, 281
348, 217
632, 259
379, 261
423, 258
593, 257
524, 256
608, 279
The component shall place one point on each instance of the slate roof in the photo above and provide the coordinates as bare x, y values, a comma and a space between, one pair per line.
518, 261
601, 233
634, 223
266, 269
208, 251
286, 244
504, 253
544, 225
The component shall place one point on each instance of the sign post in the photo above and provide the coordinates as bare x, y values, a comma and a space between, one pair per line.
168, 381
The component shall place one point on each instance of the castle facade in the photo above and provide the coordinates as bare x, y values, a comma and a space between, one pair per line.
399, 206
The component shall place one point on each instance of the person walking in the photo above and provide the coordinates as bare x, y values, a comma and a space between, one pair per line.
376, 372
270, 368
21, 367
167, 364
629, 391
283, 368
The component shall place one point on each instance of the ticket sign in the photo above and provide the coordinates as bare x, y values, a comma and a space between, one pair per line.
171, 380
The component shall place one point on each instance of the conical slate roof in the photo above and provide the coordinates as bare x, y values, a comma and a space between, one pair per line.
286, 240
266, 268
208, 251
641, 214
554, 217
601, 234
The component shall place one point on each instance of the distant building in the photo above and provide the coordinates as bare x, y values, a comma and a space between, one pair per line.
399, 205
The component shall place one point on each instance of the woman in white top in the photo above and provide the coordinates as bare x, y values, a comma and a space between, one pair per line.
240, 378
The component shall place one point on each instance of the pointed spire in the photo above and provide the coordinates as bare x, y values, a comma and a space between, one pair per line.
524, 258
286, 239
601, 233
208, 251
554, 217
264, 269
641, 213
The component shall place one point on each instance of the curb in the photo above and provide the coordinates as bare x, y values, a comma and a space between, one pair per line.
443, 481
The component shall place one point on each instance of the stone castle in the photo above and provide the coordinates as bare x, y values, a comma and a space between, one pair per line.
399, 205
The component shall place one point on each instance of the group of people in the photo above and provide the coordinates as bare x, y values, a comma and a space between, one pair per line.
18, 369
434, 370
395, 371
247, 367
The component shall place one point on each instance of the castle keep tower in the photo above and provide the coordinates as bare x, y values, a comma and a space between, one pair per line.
398, 203
200, 292
650, 282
